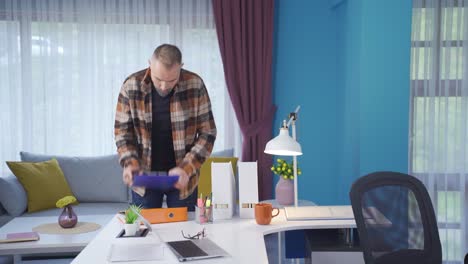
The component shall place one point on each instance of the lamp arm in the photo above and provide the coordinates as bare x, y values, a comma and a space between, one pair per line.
293, 116
292, 120
295, 162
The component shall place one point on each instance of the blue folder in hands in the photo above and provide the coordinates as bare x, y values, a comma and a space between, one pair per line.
153, 180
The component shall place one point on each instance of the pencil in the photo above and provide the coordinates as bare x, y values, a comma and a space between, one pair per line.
120, 219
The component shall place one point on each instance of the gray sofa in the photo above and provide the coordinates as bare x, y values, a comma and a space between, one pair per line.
96, 182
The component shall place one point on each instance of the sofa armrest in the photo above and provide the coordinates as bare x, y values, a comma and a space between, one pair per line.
4, 216
13, 197
3, 220
2, 210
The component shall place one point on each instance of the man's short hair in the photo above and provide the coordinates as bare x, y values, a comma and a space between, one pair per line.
168, 54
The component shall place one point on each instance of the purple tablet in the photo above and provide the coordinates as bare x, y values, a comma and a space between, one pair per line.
155, 182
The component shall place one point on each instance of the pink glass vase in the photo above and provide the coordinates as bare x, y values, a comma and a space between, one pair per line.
285, 191
68, 218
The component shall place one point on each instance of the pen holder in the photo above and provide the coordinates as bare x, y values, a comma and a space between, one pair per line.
203, 215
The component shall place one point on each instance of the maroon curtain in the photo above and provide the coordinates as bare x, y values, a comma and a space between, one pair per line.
245, 36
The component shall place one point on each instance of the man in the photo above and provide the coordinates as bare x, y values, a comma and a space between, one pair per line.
164, 123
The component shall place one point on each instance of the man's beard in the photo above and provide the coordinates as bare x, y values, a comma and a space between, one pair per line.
163, 93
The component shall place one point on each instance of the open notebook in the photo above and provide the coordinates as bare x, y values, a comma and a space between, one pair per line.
124, 252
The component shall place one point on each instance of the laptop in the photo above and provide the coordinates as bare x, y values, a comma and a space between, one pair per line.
319, 213
196, 249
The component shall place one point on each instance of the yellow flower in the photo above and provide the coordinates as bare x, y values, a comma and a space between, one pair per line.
284, 169
67, 200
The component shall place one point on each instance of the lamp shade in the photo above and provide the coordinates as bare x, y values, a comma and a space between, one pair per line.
283, 145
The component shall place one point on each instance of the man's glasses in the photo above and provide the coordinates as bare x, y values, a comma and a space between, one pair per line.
199, 235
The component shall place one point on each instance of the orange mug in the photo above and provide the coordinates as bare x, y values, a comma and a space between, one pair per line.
264, 213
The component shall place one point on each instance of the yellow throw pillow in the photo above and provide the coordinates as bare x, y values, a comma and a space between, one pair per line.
44, 183
204, 184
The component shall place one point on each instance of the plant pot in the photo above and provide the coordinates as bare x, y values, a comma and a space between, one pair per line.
131, 229
284, 192
67, 218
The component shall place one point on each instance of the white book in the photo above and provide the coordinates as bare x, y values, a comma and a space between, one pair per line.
222, 186
319, 213
336, 212
248, 189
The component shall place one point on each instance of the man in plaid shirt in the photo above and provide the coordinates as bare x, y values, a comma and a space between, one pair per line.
164, 123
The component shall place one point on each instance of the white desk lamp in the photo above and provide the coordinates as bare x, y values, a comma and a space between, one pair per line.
284, 145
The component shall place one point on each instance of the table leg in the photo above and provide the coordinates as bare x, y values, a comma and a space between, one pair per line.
280, 248
308, 253
349, 237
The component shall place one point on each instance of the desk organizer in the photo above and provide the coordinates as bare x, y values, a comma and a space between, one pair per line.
223, 187
248, 189
140, 233
204, 215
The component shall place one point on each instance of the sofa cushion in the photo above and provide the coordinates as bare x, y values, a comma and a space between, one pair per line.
92, 179
43, 181
12, 195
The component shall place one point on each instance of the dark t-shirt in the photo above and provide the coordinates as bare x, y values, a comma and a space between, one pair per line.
162, 147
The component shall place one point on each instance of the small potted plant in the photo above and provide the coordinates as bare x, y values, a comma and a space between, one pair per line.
67, 218
284, 191
132, 225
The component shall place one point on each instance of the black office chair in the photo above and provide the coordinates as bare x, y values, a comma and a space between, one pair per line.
395, 219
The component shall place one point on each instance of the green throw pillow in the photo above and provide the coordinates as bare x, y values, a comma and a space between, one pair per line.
44, 183
204, 183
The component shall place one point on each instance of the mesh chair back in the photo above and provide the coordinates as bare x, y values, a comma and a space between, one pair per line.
395, 219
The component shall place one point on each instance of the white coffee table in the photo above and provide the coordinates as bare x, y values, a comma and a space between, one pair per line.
48, 244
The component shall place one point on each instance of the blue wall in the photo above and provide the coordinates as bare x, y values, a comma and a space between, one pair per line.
347, 64
305, 74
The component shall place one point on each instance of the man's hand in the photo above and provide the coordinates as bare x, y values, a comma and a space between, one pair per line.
183, 177
128, 173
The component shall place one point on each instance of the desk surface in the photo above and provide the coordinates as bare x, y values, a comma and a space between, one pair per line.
242, 238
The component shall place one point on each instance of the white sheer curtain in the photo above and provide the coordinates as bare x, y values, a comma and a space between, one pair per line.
62, 63
439, 115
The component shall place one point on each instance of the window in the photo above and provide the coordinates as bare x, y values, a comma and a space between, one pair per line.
62, 67
439, 115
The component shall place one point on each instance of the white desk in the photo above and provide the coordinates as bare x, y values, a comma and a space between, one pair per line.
242, 238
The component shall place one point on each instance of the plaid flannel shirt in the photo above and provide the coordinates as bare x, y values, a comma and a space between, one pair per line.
193, 126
